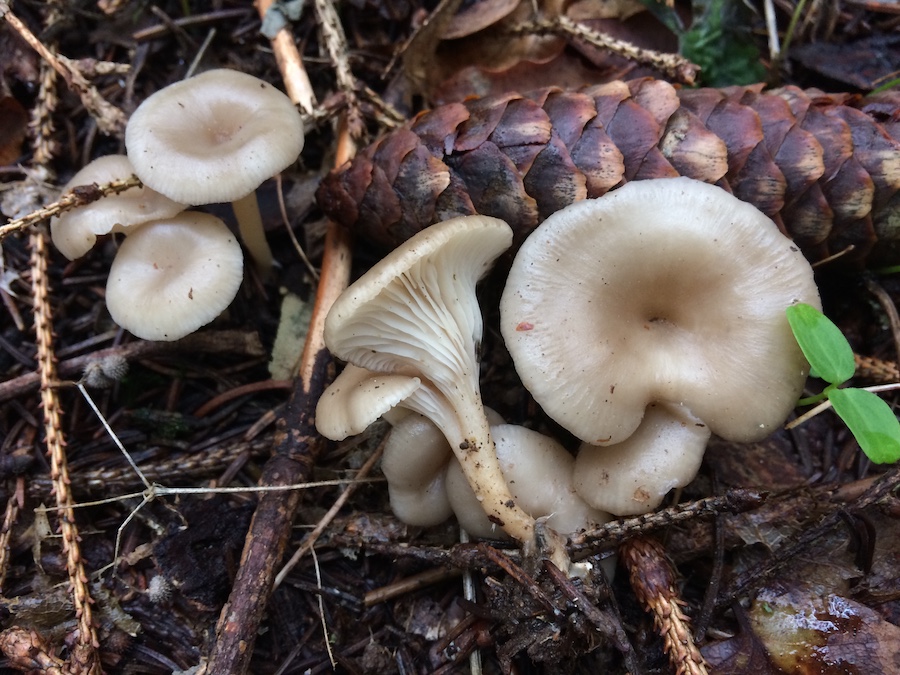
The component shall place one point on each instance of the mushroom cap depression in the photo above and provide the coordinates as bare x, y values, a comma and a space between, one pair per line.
173, 276
75, 232
666, 290
214, 137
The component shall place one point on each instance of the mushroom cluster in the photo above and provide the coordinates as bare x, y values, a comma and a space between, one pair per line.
642, 322
215, 138
212, 138
673, 326
413, 322
426, 486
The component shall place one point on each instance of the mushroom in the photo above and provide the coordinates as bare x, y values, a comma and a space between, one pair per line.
415, 313
665, 290
75, 232
357, 398
633, 477
215, 138
415, 460
539, 472
170, 277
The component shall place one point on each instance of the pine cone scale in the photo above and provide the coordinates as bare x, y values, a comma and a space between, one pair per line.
825, 167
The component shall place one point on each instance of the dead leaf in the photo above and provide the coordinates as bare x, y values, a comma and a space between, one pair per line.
811, 634
863, 64
476, 16
13, 126
584, 10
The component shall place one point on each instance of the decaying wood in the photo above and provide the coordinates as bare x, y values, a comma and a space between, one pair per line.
296, 446
825, 167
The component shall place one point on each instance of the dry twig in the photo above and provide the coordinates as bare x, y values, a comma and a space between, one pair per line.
84, 657
296, 447
78, 196
674, 66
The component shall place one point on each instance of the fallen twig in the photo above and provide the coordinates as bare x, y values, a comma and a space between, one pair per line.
297, 443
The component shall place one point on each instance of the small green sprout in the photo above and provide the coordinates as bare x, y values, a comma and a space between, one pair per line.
870, 420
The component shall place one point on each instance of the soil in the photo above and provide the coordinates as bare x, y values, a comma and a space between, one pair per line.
803, 523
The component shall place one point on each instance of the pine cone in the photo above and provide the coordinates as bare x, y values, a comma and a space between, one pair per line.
825, 167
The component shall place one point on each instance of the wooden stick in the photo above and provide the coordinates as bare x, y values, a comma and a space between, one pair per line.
297, 443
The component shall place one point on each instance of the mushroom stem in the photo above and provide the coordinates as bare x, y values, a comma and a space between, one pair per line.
250, 225
474, 449
469, 435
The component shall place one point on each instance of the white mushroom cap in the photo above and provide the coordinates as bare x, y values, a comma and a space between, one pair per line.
666, 290
173, 276
214, 137
75, 232
633, 477
358, 397
415, 313
539, 472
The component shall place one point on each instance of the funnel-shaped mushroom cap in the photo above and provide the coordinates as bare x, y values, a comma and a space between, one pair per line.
539, 473
667, 290
173, 276
75, 232
415, 313
214, 137
633, 476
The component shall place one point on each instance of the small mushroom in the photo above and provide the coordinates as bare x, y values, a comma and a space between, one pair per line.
215, 138
170, 277
75, 232
633, 477
415, 460
357, 398
539, 472
415, 314
666, 290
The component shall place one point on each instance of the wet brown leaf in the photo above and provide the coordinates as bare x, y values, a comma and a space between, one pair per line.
13, 125
476, 16
809, 633
863, 64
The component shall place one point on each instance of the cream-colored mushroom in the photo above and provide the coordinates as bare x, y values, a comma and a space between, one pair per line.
415, 314
666, 290
357, 398
215, 138
633, 477
75, 232
539, 472
170, 277
415, 460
